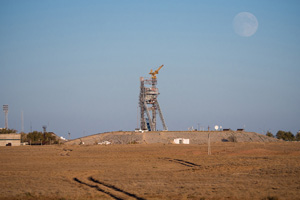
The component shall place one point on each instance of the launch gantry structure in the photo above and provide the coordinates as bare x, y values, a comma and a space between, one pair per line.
148, 102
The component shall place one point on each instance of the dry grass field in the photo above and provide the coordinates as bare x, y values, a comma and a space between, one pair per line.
153, 171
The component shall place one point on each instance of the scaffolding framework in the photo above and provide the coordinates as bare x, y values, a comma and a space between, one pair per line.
149, 105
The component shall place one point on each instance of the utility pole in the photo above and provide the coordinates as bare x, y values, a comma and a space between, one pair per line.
208, 145
5, 110
22, 121
137, 117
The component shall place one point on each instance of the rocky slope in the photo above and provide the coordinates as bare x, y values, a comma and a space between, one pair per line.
167, 137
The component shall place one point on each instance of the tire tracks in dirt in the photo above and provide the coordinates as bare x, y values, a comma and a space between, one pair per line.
191, 166
182, 162
111, 190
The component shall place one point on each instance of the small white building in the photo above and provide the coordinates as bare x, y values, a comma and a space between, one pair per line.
104, 143
181, 141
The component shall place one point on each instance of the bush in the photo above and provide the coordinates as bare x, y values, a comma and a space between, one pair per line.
133, 142
287, 136
232, 138
24, 137
298, 136
37, 137
269, 134
7, 131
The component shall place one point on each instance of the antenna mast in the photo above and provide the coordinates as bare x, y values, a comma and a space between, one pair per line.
5, 110
22, 121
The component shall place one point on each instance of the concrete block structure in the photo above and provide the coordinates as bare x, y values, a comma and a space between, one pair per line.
13, 139
181, 141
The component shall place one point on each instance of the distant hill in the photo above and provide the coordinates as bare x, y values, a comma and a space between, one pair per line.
167, 137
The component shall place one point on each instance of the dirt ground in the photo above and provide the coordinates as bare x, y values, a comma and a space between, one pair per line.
153, 171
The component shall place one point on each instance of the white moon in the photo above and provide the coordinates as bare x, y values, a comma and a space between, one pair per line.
245, 24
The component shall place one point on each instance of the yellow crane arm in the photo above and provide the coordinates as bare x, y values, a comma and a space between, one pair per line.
153, 73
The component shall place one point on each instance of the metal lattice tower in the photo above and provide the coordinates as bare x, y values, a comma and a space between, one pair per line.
148, 103
5, 110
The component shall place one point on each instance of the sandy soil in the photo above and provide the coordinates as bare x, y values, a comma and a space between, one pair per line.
153, 171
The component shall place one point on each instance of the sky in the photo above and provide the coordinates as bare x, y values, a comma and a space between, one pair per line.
74, 66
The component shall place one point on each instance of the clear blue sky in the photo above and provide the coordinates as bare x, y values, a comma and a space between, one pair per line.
75, 65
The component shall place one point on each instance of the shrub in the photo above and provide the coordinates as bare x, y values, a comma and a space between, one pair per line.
133, 142
37, 137
232, 138
287, 136
269, 134
298, 136
7, 131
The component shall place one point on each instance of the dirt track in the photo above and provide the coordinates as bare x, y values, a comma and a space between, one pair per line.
156, 171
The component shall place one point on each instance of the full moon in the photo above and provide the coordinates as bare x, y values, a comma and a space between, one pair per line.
245, 24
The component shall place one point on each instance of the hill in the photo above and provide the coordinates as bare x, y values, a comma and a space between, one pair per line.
167, 137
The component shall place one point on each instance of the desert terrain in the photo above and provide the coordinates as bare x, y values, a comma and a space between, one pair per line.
253, 170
